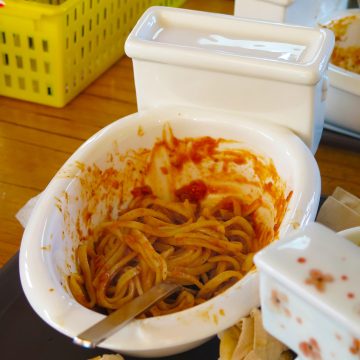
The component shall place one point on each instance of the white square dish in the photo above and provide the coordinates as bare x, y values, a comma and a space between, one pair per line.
310, 293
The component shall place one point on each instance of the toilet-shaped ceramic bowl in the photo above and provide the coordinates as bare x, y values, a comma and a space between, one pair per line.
259, 85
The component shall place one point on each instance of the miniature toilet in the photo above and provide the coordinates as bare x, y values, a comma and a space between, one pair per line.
265, 71
299, 12
260, 86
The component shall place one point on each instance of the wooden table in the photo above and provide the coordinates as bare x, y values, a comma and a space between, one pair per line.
36, 140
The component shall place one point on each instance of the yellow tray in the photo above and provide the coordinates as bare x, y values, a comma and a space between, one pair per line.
52, 49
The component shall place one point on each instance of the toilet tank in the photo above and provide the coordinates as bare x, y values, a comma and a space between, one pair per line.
266, 71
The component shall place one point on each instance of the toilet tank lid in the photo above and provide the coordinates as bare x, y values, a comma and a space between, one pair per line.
225, 43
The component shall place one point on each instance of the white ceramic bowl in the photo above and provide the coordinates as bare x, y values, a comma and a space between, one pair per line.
343, 100
46, 254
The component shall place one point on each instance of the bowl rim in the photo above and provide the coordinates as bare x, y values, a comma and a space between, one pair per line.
340, 78
36, 279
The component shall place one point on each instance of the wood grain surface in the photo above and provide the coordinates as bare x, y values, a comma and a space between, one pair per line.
36, 140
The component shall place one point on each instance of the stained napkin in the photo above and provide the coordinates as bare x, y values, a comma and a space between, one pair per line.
247, 340
108, 357
340, 211
23, 215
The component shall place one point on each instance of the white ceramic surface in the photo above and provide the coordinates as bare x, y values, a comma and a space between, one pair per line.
273, 72
46, 254
310, 293
343, 104
352, 234
299, 12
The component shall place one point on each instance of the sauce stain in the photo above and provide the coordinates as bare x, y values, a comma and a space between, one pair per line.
201, 169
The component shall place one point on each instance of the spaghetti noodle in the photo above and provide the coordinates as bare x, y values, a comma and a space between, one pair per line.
173, 226
346, 57
204, 249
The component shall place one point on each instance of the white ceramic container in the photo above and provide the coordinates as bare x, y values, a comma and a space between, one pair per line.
266, 71
343, 104
47, 248
299, 12
310, 293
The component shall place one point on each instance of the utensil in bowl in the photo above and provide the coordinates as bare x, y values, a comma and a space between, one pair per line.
122, 316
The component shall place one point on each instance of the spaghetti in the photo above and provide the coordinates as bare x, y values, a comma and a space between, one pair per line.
152, 221
346, 57
204, 249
